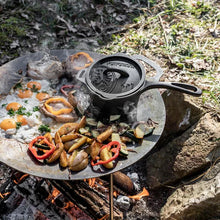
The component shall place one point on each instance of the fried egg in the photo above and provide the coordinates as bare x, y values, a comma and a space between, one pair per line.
8, 123
20, 117
25, 93
14, 106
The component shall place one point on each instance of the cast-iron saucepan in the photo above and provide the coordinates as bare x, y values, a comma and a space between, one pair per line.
116, 79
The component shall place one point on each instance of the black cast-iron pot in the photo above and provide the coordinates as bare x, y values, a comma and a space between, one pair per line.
118, 79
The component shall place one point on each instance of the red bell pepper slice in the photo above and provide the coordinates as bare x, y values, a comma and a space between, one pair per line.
67, 86
34, 151
114, 150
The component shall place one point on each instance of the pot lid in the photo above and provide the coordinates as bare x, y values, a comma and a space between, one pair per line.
115, 75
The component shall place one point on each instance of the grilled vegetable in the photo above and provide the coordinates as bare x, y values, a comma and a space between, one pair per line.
105, 135
142, 129
46, 153
79, 161
79, 143
69, 144
82, 122
94, 149
91, 122
63, 159
123, 149
114, 117
56, 154
57, 138
69, 137
67, 128
106, 154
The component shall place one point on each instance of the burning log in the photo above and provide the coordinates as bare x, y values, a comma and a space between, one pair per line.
36, 191
87, 198
122, 182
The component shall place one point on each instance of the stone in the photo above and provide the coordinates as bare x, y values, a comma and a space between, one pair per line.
186, 154
181, 113
200, 200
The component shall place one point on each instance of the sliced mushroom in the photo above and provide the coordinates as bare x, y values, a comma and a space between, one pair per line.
47, 68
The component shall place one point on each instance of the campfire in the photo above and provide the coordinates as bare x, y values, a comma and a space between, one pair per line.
55, 199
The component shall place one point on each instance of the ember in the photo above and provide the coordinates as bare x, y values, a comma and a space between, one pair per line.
140, 195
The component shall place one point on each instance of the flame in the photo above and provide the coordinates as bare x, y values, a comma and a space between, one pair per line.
4, 194
54, 194
92, 182
115, 194
140, 195
105, 217
21, 178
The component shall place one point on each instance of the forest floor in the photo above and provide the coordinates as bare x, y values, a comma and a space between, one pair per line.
182, 36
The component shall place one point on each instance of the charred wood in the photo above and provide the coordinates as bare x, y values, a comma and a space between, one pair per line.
86, 198
122, 183
36, 191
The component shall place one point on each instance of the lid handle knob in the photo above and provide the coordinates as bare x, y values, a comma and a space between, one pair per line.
120, 71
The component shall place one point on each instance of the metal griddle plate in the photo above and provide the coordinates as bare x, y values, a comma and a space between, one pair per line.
15, 154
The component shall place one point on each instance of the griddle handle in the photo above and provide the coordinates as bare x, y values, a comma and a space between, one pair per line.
181, 87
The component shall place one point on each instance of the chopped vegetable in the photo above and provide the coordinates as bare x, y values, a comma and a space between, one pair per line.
64, 87
46, 153
60, 111
114, 117
63, 159
105, 154
105, 135
56, 154
91, 122
18, 125
44, 128
11, 112
79, 143
123, 149
36, 108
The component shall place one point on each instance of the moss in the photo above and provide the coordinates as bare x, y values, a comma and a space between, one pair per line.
10, 29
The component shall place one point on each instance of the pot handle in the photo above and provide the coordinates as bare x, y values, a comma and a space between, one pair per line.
159, 71
181, 87
81, 76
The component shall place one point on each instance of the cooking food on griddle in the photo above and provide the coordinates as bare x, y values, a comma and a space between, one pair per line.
45, 116
20, 116
77, 144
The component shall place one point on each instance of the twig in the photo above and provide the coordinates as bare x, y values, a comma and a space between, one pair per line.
164, 32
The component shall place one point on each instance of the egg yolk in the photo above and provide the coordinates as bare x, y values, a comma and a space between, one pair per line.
42, 95
14, 106
27, 93
22, 120
34, 85
8, 124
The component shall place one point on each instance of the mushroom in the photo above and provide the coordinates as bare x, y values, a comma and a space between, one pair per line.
47, 68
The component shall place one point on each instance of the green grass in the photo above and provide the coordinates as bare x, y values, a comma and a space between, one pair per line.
179, 35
